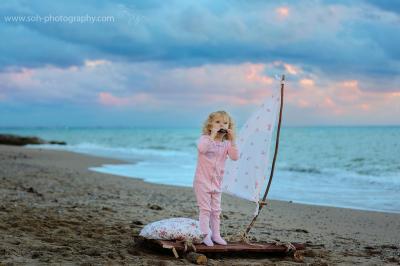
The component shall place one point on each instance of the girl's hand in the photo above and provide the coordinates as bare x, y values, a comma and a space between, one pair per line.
231, 135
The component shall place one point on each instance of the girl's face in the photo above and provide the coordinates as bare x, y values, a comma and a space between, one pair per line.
219, 122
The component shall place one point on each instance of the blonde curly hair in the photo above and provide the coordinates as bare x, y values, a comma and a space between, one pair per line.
208, 123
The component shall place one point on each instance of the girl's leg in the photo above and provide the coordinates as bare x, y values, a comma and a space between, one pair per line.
204, 201
215, 219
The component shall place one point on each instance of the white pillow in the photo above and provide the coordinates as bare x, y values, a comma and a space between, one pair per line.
184, 229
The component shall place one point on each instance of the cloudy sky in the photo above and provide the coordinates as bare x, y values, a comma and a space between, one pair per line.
170, 63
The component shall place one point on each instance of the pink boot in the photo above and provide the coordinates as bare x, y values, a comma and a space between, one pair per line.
204, 221
215, 230
207, 241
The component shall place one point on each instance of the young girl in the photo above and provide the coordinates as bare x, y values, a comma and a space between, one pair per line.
213, 148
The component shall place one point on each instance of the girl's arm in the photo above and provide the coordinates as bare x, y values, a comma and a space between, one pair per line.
204, 143
233, 151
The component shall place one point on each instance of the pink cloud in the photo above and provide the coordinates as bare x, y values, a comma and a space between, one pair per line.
307, 82
282, 12
303, 103
323, 99
254, 74
348, 91
149, 85
49, 83
365, 106
106, 98
331, 107
292, 69
236, 100
25, 78
234, 85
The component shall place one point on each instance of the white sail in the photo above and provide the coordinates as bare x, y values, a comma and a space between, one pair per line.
246, 177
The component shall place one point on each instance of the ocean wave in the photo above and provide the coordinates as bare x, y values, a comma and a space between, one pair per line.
357, 159
159, 147
300, 169
115, 152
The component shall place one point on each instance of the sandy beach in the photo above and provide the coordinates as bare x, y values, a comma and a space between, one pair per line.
54, 210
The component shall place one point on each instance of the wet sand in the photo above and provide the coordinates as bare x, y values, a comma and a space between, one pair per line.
54, 210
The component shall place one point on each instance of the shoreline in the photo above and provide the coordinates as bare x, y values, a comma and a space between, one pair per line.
122, 161
55, 210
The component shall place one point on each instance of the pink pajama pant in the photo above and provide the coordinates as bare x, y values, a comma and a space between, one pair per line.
209, 203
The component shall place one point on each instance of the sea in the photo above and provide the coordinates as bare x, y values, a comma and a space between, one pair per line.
354, 167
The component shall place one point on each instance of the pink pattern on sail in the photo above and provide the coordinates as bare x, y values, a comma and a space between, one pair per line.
246, 177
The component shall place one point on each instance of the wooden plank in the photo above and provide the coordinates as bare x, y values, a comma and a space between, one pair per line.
231, 247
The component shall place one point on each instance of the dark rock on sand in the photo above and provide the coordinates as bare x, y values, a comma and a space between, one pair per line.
36, 255
137, 222
57, 142
93, 252
155, 207
389, 246
32, 190
301, 230
9, 139
393, 259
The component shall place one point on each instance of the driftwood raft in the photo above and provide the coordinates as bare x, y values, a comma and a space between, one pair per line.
231, 249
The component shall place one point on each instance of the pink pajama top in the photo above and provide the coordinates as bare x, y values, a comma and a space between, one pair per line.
211, 162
